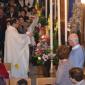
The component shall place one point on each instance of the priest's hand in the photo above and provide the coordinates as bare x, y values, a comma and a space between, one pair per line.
30, 34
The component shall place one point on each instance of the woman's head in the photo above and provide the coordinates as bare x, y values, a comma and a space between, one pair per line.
63, 52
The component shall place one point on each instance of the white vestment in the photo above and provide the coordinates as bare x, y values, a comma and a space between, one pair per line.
17, 52
31, 29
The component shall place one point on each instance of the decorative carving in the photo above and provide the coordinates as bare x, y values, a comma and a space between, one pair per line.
75, 20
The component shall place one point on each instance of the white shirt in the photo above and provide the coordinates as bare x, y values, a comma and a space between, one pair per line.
82, 82
75, 47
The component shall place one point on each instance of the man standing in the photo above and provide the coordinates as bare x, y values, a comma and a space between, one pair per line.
3, 26
76, 56
17, 50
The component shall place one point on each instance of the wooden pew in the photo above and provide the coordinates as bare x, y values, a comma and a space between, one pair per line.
13, 81
45, 81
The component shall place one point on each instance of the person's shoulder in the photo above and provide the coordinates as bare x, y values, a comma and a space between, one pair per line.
10, 28
83, 82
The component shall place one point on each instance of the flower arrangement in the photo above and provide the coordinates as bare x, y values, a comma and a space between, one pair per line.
42, 51
42, 55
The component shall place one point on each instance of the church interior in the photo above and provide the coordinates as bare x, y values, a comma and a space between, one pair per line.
42, 42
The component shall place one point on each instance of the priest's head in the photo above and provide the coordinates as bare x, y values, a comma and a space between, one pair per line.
15, 23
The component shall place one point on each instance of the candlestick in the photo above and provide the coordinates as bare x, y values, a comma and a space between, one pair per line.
59, 32
51, 25
46, 9
55, 10
65, 1
51, 34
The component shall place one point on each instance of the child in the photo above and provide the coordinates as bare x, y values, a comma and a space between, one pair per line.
77, 76
22, 82
62, 74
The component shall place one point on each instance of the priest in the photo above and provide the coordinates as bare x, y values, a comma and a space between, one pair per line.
17, 50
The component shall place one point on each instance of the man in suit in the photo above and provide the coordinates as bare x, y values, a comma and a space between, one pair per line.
12, 13
3, 26
76, 56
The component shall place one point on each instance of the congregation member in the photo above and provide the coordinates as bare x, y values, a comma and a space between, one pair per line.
3, 26
76, 56
31, 29
62, 74
22, 3
22, 82
2, 81
17, 50
77, 76
24, 14
28, 12
3, 71
7, 5
23, 25
12, 13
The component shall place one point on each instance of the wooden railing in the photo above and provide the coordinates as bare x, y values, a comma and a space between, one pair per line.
45, 81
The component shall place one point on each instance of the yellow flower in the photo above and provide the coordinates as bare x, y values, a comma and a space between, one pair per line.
17, 66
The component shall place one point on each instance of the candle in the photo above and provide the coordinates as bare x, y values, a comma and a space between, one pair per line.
65, 1
55, 10
46, 9
36, 4
51, 35
51, 25
59, 32
82, 1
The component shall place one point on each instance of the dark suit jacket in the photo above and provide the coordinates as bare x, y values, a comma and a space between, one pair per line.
3, 26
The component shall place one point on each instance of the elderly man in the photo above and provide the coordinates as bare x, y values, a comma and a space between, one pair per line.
76, 56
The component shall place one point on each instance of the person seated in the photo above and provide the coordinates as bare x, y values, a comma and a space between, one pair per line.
3, 71
2, 81
77, 76
22, 82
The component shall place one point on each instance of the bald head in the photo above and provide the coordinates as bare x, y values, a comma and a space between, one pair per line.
73, 39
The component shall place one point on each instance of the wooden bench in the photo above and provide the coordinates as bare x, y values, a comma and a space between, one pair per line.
45, 80
14, 81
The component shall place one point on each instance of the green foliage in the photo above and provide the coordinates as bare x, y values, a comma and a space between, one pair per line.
55, 41
47, 51
55, 60
35, 61
43, 21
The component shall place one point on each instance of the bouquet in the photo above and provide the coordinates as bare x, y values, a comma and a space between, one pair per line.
42, 52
